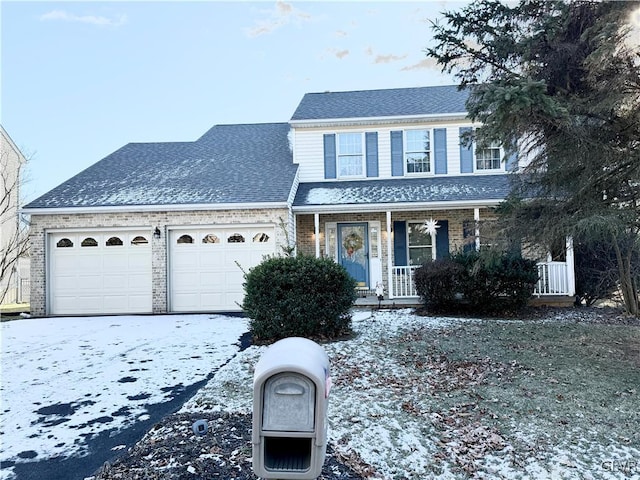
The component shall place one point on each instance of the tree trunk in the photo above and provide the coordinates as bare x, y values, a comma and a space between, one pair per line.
627, 285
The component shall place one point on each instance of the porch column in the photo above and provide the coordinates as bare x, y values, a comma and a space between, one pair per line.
316, 232
476, 219
389, 256
571, 268
293, 233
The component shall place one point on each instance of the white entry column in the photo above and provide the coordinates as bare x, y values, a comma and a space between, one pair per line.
389, 256
571, 267
316, 232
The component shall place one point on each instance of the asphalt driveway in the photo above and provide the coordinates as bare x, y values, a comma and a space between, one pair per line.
76, 391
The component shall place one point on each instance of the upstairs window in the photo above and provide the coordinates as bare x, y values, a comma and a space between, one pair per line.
417, 151
488, 158
350, 155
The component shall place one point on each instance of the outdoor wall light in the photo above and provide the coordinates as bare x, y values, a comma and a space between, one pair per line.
156, 233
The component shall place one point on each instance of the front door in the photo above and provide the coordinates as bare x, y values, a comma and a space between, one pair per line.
353, 251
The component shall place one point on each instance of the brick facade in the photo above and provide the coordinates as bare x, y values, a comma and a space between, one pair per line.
305, 240
41, 224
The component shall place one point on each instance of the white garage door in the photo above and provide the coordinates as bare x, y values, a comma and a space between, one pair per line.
205, 265
97, 272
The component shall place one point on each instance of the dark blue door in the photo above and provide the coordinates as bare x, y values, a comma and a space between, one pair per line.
353, 251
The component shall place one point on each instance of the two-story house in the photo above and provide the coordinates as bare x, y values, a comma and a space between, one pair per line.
379, 180
390, 171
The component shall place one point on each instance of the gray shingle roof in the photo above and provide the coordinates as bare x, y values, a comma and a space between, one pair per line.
382, 103
228, 164
403, 190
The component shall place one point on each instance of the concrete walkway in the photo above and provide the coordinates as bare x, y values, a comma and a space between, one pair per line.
371, 301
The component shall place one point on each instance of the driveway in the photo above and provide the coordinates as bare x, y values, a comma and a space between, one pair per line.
76, 391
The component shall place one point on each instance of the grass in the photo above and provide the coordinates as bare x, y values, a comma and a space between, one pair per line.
547, 389
418, 397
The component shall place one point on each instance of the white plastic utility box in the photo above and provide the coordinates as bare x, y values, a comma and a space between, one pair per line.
291, 387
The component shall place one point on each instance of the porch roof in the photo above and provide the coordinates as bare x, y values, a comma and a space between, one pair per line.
447, 192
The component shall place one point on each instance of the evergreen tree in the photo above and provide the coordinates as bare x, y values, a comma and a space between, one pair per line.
559, 82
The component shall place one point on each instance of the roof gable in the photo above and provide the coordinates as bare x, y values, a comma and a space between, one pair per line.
228, 164
438, 100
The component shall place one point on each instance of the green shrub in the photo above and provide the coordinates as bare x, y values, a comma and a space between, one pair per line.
437, 283
516, 278
495, 280
487, 281
299, 296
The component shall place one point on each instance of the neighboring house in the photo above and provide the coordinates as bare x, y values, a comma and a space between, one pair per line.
14, 263
378, 180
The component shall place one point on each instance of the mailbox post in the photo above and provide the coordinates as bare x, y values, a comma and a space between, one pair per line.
291, 387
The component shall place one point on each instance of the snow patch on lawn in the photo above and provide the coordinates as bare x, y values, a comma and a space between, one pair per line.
389, 420
65, 380
363, 416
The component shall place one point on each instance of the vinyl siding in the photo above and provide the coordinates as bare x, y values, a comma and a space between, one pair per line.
453, 151
309, 150
310, 154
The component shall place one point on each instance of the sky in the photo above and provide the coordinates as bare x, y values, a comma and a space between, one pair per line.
79, 80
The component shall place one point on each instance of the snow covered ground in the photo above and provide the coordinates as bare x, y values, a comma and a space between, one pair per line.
402, 407
64, 380
397, 411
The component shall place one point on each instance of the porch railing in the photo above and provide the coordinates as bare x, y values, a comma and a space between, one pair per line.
18, 293
402, 285
553, 280
24, 291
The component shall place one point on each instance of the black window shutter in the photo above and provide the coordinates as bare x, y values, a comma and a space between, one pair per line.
397, 167
400, 254
442, 239
440, 150
466, 152
329, 155
372, 153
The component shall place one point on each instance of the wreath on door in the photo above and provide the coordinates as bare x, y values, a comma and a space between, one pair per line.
352, 243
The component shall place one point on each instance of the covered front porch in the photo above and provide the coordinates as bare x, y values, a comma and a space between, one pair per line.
384, 249
381, 231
